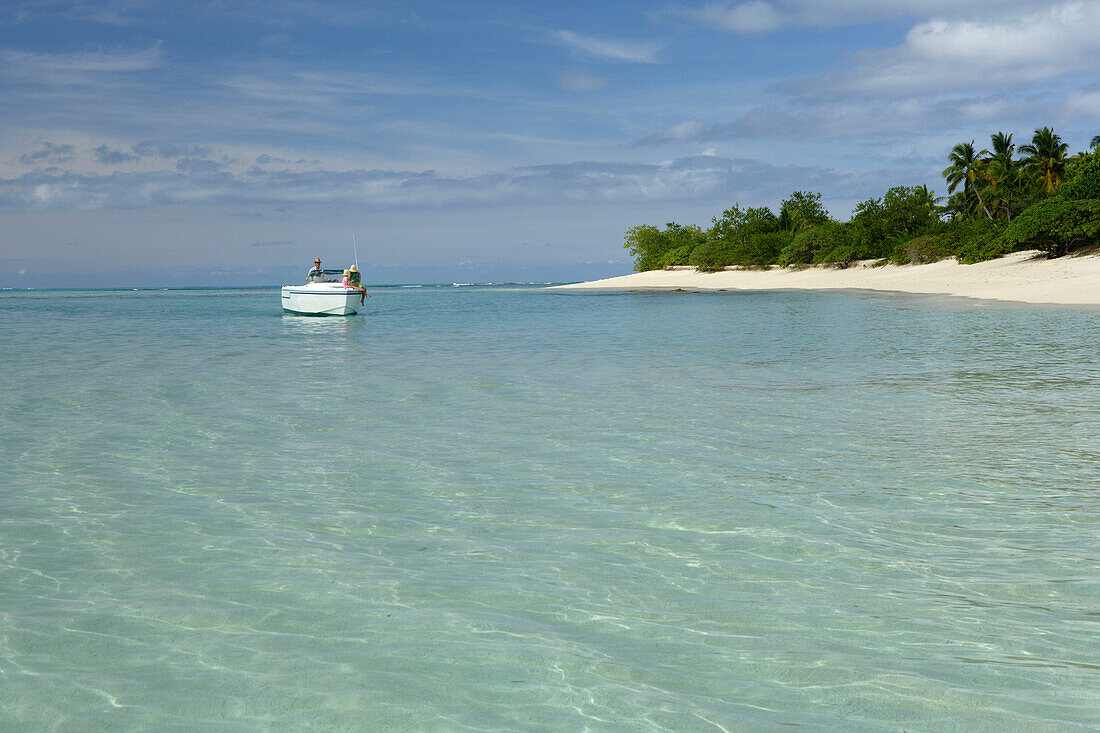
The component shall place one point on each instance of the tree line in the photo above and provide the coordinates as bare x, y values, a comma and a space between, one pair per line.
1000, 200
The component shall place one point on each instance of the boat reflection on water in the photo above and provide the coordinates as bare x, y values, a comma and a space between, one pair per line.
299, 325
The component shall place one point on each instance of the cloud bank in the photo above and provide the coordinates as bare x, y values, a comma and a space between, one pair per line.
940, 56
206, 182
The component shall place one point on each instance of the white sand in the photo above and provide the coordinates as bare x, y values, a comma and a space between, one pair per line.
1023, 277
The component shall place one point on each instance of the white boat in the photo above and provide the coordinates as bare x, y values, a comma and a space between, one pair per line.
321, 296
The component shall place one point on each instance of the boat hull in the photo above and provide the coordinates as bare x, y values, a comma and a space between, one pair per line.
315, 301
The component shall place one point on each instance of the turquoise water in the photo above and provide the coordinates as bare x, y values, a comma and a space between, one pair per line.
512, 509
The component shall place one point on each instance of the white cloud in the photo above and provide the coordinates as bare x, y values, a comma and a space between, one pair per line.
314, 88
754, 16
1053, 38
608, 49
286, 90
578, 81
985, 110
677, 179
861, 120
1085, 103
277, 13
850, 12
943, 56
686, 130
24, 64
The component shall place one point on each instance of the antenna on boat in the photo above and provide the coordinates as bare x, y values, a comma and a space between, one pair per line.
355, 250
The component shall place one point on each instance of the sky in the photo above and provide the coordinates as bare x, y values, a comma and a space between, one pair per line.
229, 142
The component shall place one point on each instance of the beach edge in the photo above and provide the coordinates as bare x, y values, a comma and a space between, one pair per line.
1021, 277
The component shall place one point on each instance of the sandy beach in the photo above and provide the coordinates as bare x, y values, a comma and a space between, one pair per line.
1026, 277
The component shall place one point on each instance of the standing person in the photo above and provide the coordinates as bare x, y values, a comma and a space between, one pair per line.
315, 272
354, 281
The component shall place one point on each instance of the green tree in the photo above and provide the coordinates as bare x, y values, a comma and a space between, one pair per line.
988, 193
929, 199
740, 237
963, 238
654, 248
978, 240
737, 222
1046, 158
879, 225
1056, 225
731, 238
712, 255
965, 168
1001, 177
1003, 147
753, 249
828, 241
760, 249
1095, 142
647, 244
800, 210
681, 240
1084, 183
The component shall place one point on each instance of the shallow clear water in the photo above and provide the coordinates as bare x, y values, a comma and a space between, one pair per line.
494, 509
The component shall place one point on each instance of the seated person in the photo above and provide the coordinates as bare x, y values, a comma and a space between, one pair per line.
352, 280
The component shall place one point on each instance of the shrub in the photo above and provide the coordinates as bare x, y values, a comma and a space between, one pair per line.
647, 244
711, 256
800, 210
968, 240
800, 251
1055, 226
677, 256
924, 249
980, 251
759, 249
978, 240
812, 241
653, 247
835, 245
737, 222
1085, 181
879, 225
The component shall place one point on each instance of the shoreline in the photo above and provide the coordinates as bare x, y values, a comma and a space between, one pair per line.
1022, 277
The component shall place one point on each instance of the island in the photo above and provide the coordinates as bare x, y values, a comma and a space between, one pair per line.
1019, 228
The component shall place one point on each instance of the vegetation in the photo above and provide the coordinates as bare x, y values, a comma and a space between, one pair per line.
1001, 199
1055, 226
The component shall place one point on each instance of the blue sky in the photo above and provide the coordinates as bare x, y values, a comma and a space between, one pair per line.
169, 143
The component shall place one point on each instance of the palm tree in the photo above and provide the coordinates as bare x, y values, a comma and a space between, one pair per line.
1095, 142
1046, 158
928, 198
1002, 147
1000, 168
1002, 172
965, 168
785, 221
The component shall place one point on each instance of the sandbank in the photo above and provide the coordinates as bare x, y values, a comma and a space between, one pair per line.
1026, 277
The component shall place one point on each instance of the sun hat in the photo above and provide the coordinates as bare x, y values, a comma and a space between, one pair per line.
354, 268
